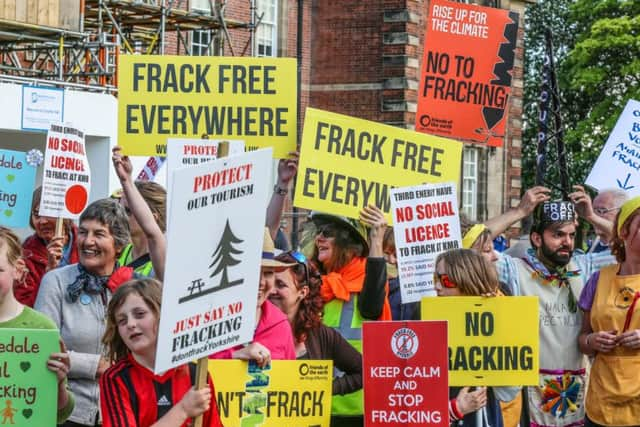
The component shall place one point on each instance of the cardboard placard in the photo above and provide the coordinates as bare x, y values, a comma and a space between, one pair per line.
17, 179
164, 96
286, 393
347, 163
28, 389
425, 223
465, 80
492, 341
618, 165
66, 181
405, 373
214, 247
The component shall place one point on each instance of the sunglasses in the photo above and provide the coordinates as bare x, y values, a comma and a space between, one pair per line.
444, 280
603, 211
301, 260
327, 231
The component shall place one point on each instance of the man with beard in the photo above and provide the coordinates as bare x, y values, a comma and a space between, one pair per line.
551, 272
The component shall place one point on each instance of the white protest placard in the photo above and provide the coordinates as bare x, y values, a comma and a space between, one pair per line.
187, 152
618, 165
66, 181
41, 106
214, 248
425, 223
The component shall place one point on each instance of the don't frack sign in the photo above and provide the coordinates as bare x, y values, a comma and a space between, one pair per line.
425, 223
348, 163
405, 374
160, 97
66, 181
214, 248
492, 341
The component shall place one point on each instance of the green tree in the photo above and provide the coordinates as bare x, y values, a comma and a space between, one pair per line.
597, 51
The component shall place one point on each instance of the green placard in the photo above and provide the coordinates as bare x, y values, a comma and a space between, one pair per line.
28, 390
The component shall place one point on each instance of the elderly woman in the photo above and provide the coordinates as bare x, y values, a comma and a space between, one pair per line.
297, 294
44, 251
76, 298
611, 328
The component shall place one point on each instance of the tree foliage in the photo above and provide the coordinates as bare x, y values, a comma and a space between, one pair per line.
597, 53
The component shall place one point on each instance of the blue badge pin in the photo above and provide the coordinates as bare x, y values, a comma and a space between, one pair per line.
85, 299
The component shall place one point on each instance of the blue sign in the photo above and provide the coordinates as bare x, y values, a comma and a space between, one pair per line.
17, 179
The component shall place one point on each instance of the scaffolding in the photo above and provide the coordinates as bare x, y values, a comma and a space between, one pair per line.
88, 58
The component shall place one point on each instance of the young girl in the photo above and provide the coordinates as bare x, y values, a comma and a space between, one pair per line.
17, 316
130, 393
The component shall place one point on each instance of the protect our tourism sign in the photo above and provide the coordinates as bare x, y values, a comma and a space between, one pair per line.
405, 374
163, 96
285, 393
347, 163
28, 389
66, 181
425, 223
618, 165
17, 178
465, 80
493, 341
214, 248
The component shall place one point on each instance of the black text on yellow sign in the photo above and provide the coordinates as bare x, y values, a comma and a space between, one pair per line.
252, 99
492, 341
348, 163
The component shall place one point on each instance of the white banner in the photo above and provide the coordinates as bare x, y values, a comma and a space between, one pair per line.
618, 165
66, 181
214, 248
41, 106
425, 223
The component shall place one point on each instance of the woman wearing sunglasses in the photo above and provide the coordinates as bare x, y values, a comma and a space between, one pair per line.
353, 271
465, 272
297, 294
611, 328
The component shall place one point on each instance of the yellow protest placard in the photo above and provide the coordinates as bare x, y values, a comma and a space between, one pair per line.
492, 341
250, 99
288, 393
347, 163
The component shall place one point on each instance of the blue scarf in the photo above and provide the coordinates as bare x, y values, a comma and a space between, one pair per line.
86, 283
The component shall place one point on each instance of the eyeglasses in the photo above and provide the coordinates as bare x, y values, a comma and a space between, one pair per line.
603, 211
301, 260
327, 231
444, 280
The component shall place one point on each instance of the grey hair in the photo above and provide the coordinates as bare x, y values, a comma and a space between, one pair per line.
109, 212
619, 196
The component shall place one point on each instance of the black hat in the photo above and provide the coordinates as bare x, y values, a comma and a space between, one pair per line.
554, 212
357, 230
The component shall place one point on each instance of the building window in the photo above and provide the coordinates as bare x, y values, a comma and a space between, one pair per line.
201, 42
470, 182
267, 31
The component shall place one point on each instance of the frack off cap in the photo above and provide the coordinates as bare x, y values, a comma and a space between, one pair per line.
556, 211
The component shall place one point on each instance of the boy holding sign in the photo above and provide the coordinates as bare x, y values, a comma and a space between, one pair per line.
17, 316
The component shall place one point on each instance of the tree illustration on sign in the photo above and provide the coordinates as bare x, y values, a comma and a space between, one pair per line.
223, 257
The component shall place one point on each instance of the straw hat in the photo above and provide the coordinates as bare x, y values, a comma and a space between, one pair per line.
268, 254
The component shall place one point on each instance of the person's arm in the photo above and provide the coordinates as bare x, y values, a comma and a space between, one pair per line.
115, 402
584, 207
58, 363
287, 169
347, 359
142, 213
373, 293
531, 198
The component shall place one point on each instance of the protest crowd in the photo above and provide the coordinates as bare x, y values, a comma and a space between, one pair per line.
99, 284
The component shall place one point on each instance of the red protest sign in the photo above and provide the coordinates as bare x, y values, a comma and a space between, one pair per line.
465, 79
405, 373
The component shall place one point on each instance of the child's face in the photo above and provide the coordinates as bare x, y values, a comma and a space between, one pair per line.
8, 274
137, 325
